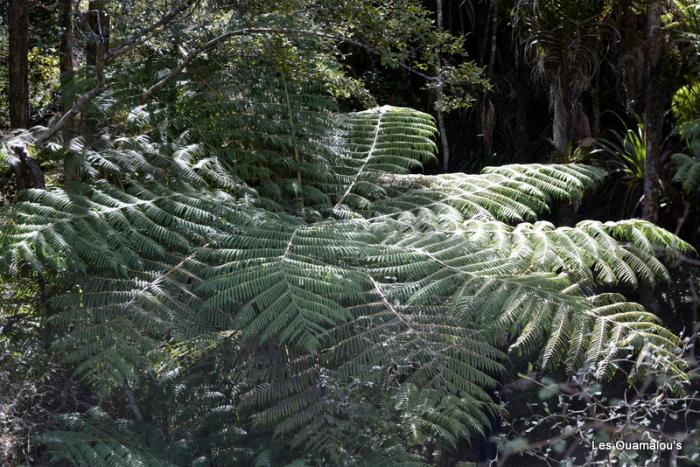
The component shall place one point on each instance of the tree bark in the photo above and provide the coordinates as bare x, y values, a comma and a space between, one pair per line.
66, 66
96, 52
560, 119
564, 212
18, 62
98, 43
71, 170
595, 106
654, 112
438, 105
521, 105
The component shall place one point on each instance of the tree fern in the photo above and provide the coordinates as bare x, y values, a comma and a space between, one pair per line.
373, 288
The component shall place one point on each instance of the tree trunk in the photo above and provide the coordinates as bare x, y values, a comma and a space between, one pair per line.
71, 167
521, 104
443, 141
98, 43
595, 106
654, 112
560, 118
65, 22
564, 212
95, 51
18, 62
438, 105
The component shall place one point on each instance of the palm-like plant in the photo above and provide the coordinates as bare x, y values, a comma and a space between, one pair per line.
626, 154
563, 42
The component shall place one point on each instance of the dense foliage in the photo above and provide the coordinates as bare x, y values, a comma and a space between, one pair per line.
221, 250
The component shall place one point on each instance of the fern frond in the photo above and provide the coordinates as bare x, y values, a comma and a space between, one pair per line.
286, 280
687, 172
373, 143
687, 164
108, 228
420, 345
115, 326
610, 253
513, 193
96, 439
425, 413
543, 312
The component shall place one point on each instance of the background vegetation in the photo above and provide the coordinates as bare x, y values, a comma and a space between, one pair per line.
344, 232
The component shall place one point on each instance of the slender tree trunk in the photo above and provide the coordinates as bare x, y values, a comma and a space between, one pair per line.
494, 36
595, 106
66, 66
654, 112
438, 105
486, 34
488, 109
521, 104
560, 133
95, 51
98, 43
18, 62
71, 167
443, 141
564, 213
653, 123
562, 106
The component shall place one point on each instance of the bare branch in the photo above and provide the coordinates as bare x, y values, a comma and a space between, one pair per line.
131, 398
67, 117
